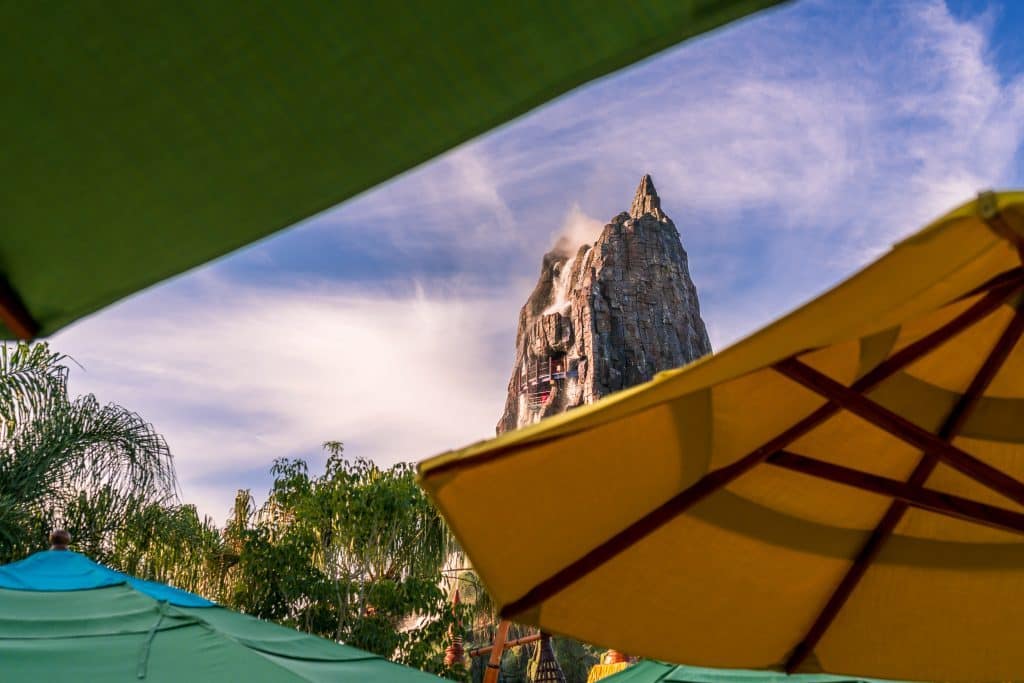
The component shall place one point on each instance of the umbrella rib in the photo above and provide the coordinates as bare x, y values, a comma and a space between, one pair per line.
1001, 280
932, 500
722, 477
869, 551
14, 314
855, 402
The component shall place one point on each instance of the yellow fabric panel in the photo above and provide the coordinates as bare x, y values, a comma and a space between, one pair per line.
924, 404
992, 419
876, 347
773, 593
1007, 457
954, 364
1008, 384
754, 408
516, 525
929, 525
913, 623
997, 419
809, 498
847, 440
912, 329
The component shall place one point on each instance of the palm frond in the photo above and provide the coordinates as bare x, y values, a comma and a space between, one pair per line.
75, 463
32, 380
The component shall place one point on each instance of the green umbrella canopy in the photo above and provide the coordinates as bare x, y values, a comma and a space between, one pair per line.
658, 672
65, 618
144, 138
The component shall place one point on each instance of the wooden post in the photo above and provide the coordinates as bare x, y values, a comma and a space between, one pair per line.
494, 663
509, 644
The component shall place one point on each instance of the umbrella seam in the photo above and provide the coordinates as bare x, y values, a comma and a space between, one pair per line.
144, 653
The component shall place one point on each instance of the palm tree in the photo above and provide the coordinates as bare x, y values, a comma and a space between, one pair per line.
70, 462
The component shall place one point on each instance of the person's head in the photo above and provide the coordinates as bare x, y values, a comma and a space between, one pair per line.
60, 539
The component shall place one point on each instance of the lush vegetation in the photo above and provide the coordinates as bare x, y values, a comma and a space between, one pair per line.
355, 553
70, 462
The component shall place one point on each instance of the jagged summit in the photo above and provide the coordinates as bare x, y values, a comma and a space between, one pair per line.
606, 316
646, 199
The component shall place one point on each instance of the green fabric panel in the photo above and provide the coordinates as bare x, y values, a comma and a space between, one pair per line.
103, 611
185, 655
167, 134
191, 654
642, 672
272, 638
362, 670
101, 635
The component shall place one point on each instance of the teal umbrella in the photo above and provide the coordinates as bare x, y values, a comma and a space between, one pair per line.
65, 618
143, 138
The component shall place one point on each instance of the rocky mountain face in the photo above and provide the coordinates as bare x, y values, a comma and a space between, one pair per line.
605, 316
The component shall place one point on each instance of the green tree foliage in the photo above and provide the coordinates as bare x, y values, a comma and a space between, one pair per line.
70, 462
172, 544
356, 554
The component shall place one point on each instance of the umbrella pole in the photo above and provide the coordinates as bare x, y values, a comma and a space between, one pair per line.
494, 662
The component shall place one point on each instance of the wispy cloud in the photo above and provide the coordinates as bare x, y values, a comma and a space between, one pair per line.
236, 378
456, 202
792, 151
797, 146
813, 122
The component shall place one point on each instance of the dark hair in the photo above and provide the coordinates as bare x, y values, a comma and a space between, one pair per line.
60, 539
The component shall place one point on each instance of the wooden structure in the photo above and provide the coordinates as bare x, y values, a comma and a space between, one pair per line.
547, 669
498, 647
538, 376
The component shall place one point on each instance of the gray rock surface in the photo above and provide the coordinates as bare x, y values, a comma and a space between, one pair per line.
605, 316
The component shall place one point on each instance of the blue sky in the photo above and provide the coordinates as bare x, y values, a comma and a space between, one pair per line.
790, 149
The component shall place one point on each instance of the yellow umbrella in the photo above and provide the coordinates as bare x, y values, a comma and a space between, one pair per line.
839, 492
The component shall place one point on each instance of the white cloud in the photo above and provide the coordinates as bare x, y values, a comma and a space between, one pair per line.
801, 115
237, 376
455, 201
816, 135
